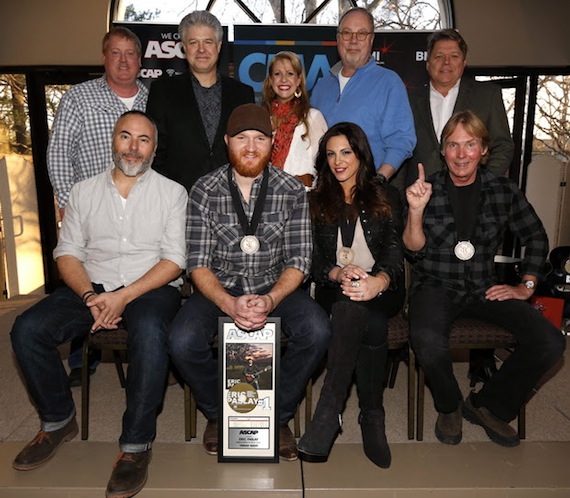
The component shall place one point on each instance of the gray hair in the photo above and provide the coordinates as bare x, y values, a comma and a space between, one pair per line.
204, 18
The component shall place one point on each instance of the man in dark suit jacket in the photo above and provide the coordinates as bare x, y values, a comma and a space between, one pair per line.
448, 92
191, 110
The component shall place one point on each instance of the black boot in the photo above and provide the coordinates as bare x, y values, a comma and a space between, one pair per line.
348, 324
370, 373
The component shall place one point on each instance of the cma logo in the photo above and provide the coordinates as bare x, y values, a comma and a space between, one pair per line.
253, 69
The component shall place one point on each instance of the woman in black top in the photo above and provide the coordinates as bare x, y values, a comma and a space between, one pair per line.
357, 267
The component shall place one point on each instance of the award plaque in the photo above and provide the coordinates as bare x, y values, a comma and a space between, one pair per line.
248, 421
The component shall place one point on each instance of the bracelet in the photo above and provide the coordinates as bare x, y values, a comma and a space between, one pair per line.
86, 295
272, 301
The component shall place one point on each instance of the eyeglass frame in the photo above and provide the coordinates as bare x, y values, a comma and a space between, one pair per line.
347, 35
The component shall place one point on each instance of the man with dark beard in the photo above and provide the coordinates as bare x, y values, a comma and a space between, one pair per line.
120, 254
249, 249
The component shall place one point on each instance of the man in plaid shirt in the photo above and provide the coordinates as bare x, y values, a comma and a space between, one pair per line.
246, 274
80, 142
454, 228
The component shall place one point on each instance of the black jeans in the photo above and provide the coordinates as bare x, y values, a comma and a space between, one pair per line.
539, 346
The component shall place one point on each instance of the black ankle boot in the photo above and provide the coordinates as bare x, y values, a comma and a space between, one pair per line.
374, 437
370, 375
348, 324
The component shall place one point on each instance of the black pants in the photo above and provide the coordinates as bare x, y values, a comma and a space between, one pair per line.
539, 346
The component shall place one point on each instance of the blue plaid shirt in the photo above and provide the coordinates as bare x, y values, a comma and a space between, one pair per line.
213, 231
80, 141
502, 205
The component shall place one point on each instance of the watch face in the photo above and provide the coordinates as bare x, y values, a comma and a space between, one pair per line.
529, 284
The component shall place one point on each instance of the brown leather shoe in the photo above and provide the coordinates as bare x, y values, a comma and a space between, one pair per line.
210, 440
129, 475
287, 444
449, 426
44, 446
498, 430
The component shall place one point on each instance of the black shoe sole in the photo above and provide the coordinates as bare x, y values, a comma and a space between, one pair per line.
311, 457
493, 436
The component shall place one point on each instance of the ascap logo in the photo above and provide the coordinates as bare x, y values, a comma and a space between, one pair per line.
151, 73
259, 335
248, 433
168, 49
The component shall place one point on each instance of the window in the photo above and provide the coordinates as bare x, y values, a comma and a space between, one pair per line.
389, 14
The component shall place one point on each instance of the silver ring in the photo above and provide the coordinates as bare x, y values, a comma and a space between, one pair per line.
355, 284
361, 294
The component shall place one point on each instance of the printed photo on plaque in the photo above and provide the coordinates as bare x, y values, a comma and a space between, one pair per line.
248, 362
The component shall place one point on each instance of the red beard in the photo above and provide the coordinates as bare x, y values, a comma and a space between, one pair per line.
250, 168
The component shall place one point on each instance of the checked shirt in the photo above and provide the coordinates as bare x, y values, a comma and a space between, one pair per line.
80, 141
501, 205
213, 231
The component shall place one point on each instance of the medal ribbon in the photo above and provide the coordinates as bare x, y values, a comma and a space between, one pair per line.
347, 229
249, 228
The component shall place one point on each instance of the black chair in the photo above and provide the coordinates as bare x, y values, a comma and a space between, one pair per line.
113, 340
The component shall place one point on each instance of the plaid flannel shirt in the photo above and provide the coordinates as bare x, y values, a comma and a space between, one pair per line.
502, 205
80, 140
213, 231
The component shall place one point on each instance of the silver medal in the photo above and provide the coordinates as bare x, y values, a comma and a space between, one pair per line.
464, 250
249, 244
345, 256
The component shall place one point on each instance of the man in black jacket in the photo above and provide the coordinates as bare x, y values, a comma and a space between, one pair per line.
191, 110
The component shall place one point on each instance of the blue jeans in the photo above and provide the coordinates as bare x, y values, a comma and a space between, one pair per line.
304, 323
539, 346
61, 317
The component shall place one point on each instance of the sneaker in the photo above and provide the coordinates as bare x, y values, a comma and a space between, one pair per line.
448, 428
498, 430
287, 444
44, 446
130, 472
75, 376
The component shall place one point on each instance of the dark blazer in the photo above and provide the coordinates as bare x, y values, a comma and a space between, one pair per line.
485, 100
183, 153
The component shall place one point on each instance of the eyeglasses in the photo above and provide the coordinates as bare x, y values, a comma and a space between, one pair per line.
347, 35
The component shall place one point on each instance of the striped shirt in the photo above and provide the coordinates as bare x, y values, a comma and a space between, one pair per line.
502, 205
213, 231
80, 141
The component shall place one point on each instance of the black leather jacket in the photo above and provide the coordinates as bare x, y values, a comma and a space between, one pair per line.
383, 237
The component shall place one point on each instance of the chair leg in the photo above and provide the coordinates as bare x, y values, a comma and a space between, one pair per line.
522, 422
189, 415
420, 410
308, 403
411, 392
85, 390
119, 367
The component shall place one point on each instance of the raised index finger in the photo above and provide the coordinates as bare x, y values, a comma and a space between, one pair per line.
421, 172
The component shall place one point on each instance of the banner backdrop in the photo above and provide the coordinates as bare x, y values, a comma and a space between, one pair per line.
163, 53
255, 44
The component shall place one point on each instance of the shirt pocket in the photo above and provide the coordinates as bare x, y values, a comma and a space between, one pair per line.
226, 228
273, 228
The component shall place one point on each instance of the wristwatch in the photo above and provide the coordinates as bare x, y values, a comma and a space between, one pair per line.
529, 284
